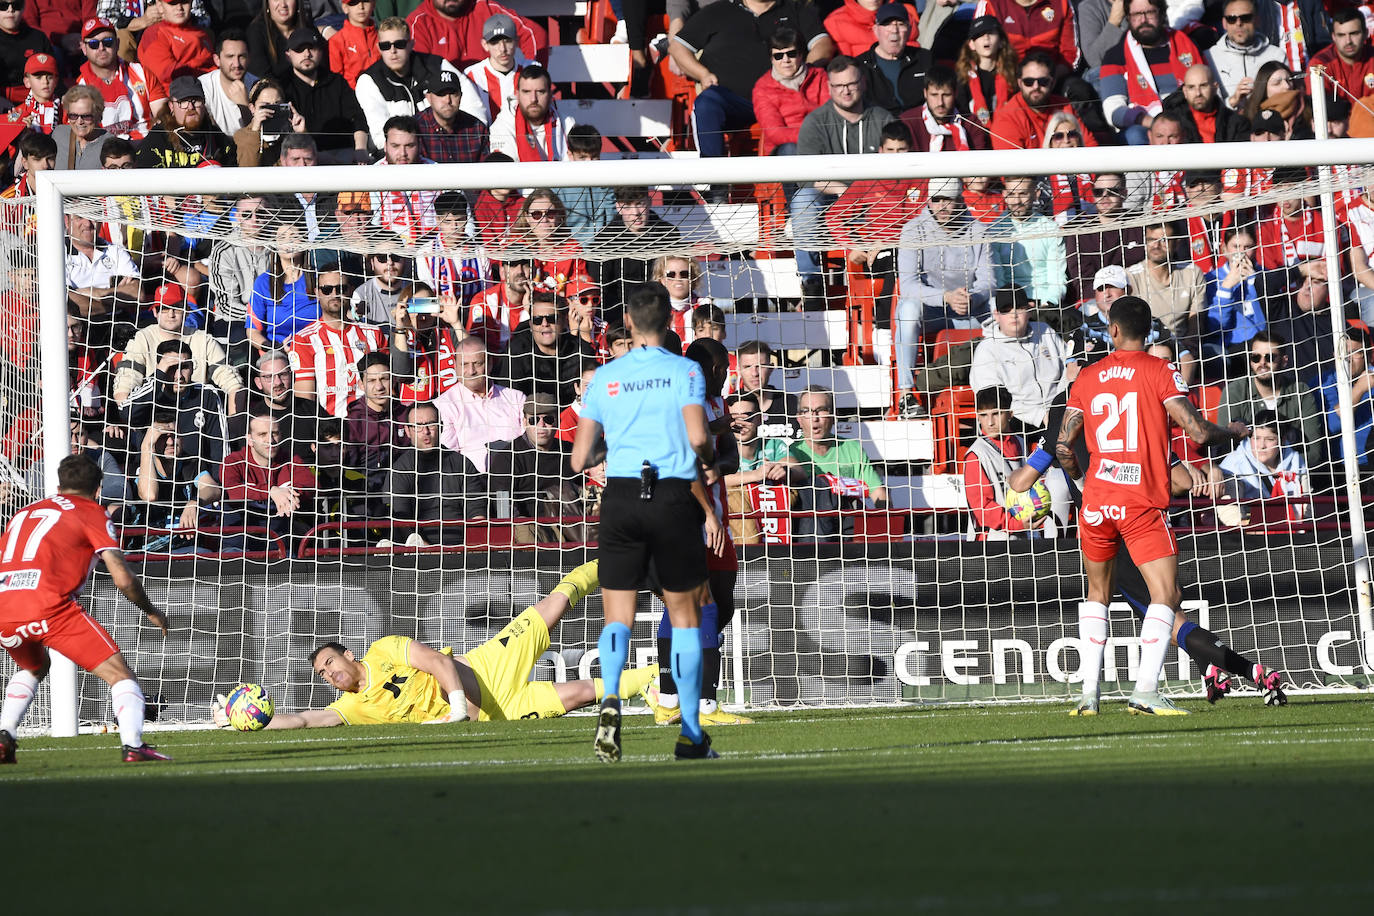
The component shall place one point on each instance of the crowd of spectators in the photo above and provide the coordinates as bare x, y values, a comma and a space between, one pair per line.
406, 359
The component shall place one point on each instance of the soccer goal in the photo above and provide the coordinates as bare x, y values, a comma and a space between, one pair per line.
870, 570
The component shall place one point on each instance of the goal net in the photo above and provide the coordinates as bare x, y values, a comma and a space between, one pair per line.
292, 395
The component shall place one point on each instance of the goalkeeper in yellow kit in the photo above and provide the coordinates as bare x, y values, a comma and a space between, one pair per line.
401, 680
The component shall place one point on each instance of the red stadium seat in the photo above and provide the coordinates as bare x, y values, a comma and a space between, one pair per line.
953, 414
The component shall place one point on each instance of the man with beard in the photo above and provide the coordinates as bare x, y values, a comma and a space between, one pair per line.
325, 100
531, 131
448, 133
185, 137
1147, 66
453, 29
431, 482
396, 83
199, 409
1094, 240
636, 228
226, 87
1349, 61
325, 352
544, 358
1020, 122
1035, 262
536, 471
937, 126
130, 99
298, 418
1205, 119
495, 76
1240, 52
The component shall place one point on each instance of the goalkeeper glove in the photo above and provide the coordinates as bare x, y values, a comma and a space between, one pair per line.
218, 712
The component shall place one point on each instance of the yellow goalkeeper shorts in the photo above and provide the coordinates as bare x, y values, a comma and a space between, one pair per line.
502, 666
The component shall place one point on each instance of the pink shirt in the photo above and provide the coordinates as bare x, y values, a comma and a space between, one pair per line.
472, 421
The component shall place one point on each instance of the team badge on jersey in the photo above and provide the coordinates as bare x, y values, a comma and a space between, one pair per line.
1369, 80
1048, 13
1185, 59
1144, 83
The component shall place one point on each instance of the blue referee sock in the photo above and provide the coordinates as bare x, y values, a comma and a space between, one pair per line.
710, 626
687, 673
614, 646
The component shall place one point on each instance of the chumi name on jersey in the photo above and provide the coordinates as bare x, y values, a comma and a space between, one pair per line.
20, 580
1117, 472
1126, 372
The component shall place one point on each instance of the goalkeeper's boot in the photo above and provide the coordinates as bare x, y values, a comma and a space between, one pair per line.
686, 750
7, 744
1217, 682
663, 715
1089, 705
1270, 684
1152, 704
143, 752
607, 743
719, 716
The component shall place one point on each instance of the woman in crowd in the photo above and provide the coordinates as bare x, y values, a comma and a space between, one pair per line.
540, 233
267, 35
986, 69
680, 274
283, 300
1067, 195
259, 142
80, 140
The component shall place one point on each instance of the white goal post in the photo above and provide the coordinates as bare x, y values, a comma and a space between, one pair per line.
903, 677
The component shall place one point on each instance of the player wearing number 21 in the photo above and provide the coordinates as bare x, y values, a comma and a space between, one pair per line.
1122, 404
46, 555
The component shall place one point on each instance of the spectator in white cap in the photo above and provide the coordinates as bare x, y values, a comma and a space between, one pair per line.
1092, 341
945, 275
494, 76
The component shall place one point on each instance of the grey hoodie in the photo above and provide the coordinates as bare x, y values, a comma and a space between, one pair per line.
933, 260
1031, 367
825, 131
1231, 63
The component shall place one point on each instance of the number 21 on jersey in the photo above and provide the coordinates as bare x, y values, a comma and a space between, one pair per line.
1119, 431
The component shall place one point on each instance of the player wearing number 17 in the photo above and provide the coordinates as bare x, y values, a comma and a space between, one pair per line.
46, 555
1122, 404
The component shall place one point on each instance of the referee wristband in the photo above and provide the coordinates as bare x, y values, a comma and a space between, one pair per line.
1040, 460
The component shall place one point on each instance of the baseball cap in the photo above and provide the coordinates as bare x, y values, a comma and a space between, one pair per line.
983, 25
303, 38
95, 27
537, 404
40, 63
169, 294
579, 285
944, 187
187, 87
1111, 275
1008, 298
446, 83
498, 26
1268, 122
890, 11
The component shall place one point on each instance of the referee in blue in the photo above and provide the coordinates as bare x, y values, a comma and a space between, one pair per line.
645, 413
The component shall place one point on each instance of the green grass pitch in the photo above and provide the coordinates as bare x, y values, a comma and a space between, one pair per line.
984, 810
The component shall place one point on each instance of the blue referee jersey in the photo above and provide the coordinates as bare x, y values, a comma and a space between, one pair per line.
638, 401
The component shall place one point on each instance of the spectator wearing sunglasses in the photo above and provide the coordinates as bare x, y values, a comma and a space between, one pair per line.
1021, 122
389, 274
787, 93
81, 139
1241, 50
540, 231
1270, 384
130, 97
543, 357
1141, 71
18, 41
584, 316
636, 233
1065, 196
1349, 60
1096, 238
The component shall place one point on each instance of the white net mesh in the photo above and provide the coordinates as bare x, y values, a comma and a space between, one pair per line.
879, 571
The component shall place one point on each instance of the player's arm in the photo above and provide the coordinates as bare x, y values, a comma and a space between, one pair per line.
1201, 430
127, 582
306, 718
589, 445
715, 531
1069, 430
442, 668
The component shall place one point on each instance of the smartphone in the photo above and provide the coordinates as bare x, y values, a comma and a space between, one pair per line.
427, 305
279, 122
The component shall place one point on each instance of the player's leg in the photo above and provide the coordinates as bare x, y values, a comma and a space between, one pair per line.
623, 553
686, 666
1092, 627
715, 617
573, 587
1156, 634
33, 663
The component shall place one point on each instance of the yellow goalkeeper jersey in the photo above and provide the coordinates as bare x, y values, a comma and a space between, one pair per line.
395, 691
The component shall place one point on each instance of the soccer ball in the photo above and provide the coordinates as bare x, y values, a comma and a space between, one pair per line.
1028, 507
249, 707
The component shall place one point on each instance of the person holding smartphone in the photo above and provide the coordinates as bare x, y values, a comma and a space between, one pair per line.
1235, 310
273, 117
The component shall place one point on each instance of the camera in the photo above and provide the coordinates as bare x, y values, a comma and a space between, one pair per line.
279, 122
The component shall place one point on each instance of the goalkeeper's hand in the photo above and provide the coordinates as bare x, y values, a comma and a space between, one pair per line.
218, 712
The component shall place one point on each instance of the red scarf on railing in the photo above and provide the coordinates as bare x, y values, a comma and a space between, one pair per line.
524, 141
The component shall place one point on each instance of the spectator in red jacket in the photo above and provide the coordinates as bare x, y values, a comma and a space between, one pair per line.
176, 46
852, 25
1038, 25
59, 20
1348, 60
17, 40
1021, 122
453, 30
353, 48
785, 95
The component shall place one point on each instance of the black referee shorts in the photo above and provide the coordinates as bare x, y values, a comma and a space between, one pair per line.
666, 528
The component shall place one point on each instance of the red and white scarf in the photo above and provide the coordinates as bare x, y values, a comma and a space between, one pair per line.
1204, 240
953, 132
1140, 79
524, 139
978, 103
1282, 246
1291, 39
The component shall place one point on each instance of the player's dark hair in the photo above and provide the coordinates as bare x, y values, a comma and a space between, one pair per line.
941, 77
336, 646
374, 358
1132, 315
451, 203
650, 307
993, 397
1348, 14
174, 346
79, 474
584, 139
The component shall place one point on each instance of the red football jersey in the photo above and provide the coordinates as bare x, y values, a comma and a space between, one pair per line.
47, 552
1126, 426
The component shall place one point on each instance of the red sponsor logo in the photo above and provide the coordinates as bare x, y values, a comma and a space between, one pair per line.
612, 389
